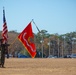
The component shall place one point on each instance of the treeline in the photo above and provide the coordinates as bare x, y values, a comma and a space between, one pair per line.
52, 44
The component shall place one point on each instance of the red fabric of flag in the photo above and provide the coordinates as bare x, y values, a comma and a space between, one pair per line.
5, 30
27, 37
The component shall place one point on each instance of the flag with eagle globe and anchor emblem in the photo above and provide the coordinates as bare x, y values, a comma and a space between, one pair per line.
27, 38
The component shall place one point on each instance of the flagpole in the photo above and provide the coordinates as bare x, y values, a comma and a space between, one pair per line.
36, 26
12, 43
41, 36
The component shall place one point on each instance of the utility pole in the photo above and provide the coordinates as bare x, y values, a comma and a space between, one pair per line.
62, 48
42, 44
58, 47
49, 46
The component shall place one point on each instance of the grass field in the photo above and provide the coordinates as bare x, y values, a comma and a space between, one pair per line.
39, 66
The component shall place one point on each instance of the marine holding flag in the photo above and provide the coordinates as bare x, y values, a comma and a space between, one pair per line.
27, 38
3, 42
5, 34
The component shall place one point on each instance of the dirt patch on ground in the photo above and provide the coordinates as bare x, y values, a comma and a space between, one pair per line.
39, 66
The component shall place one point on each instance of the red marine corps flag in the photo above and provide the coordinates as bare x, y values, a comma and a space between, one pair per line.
5, 30
27, 38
